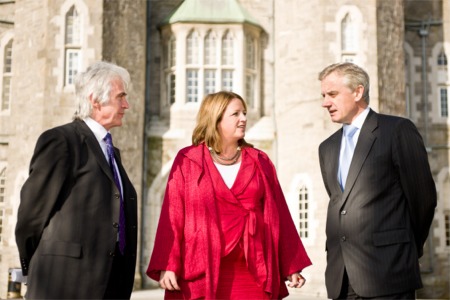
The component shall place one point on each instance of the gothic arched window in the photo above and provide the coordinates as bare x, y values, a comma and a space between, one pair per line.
348, 38
7, 76
72, 45
443, 87
442, 58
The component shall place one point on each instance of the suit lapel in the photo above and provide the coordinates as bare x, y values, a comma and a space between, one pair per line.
335, 143
123, 174
92, 143
364, 145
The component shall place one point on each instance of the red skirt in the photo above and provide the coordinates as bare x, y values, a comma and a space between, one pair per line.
235, 280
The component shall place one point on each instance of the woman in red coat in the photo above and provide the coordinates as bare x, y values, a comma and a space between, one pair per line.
225, 231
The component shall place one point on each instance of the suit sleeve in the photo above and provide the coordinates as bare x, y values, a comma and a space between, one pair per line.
49, 169
166, 253
323, 169
416, 179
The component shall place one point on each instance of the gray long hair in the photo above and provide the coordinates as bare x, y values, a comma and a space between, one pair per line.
95, 82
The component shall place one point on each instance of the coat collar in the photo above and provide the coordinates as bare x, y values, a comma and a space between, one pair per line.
92, 142
197, 155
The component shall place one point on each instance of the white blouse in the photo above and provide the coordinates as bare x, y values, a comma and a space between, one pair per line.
228, 173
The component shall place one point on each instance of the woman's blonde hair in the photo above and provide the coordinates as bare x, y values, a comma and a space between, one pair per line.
208, 118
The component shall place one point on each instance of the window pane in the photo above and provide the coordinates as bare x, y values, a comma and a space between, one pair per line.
227, 49
7, 75
442, 59
210, 49
2, 199
172, 52
6, 92
348, 58
210, 81
447, 229
348, 34
250, 90
192, 85
250, 53
303, 212
73, 27
8, 58
1, 224
192, 48
2, 185
72, 65
444, 102
171, 87
227, 80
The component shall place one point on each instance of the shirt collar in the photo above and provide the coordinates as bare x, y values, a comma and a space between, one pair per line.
98, 130
359, 121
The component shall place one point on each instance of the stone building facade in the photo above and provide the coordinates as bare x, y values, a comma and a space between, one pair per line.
270, 52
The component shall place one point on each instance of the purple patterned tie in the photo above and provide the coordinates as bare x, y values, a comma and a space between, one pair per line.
110, 150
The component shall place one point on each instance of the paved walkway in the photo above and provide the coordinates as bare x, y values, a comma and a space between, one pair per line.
158, 294
153, 294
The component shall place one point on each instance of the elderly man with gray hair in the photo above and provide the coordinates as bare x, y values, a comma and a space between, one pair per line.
77, 222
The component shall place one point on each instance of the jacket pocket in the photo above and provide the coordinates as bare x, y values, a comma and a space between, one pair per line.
385, 238
60, 248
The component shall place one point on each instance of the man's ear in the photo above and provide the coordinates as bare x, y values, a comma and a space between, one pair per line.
359, 92
95, 104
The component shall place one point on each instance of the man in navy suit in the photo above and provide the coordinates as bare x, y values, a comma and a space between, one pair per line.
67, 229
380, 212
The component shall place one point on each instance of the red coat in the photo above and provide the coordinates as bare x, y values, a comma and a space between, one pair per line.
188, 240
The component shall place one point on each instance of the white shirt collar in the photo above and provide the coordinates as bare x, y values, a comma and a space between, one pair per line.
98, 130
359, 121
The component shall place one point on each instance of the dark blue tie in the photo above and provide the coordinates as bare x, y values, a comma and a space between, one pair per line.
110, 150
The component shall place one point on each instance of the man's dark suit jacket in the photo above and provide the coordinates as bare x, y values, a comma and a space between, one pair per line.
66, 230
377, 226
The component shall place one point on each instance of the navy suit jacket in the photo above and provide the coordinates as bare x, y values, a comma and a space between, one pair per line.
66, 230
377, 226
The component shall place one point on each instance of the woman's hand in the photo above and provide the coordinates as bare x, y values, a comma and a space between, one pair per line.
296, 280
168, 281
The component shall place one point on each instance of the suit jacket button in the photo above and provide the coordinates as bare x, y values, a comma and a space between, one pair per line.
115, 225
111, 254
344, 212
343, 238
